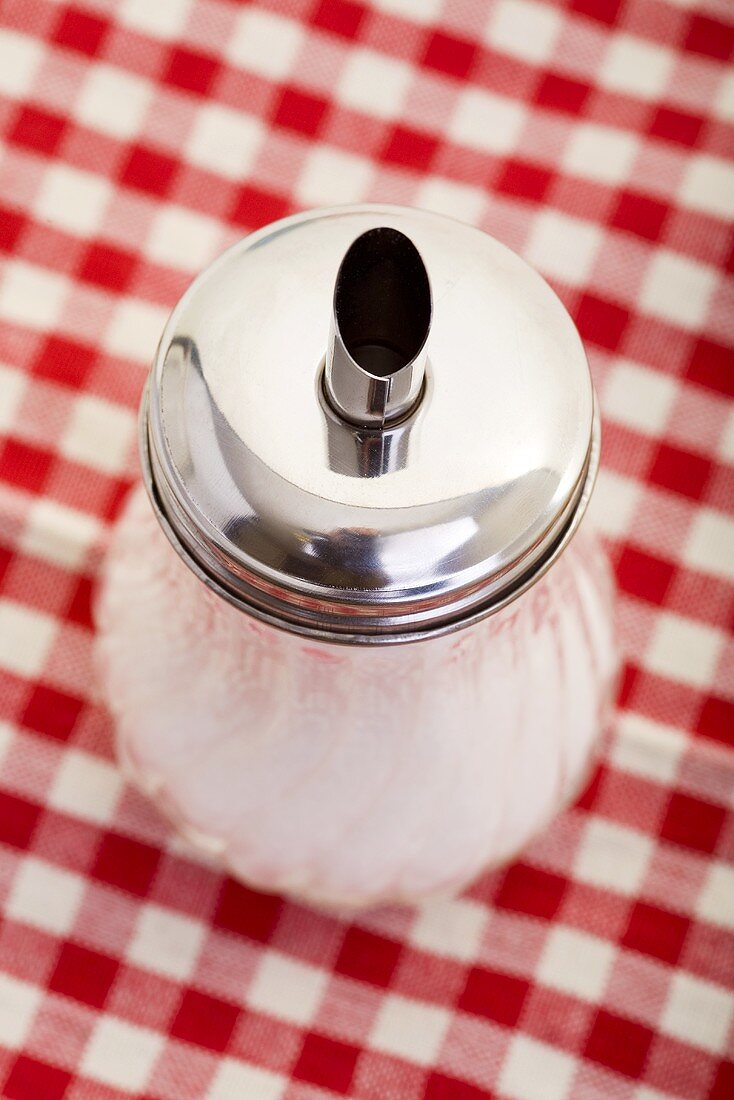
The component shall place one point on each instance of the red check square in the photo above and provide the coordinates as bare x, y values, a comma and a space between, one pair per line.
340, 17
127, 863
530, 890
450, 55
192, 71
619, 1043
83, 974
692, 822
497, 996
205, 1020
246, 911
368, 957
51, 712
81, 31
38, 130
327, 1063
30, 1079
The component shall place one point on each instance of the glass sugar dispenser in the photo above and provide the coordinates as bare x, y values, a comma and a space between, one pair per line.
352, 640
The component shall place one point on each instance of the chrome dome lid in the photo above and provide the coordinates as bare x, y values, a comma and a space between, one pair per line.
379, 462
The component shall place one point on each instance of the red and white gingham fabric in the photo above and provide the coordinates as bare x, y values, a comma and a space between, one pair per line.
595, 137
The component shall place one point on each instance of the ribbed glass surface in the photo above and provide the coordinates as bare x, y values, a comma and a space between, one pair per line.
350, 774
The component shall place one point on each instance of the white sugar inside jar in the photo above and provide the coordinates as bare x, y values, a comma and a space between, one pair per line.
352, 647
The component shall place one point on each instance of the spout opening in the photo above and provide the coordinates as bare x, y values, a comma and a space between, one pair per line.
382, 302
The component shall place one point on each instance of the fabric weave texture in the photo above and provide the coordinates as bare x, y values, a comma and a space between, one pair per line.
594, 137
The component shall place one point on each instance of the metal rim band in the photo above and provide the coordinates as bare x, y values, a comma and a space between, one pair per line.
288, 611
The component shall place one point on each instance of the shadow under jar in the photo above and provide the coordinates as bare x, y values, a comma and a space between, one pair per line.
348, 640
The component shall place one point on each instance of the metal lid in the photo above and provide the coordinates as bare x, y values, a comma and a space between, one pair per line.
378, 462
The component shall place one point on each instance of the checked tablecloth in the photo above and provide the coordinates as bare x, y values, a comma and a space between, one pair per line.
141, 137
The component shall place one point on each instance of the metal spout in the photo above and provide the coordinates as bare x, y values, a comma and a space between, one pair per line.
376, 358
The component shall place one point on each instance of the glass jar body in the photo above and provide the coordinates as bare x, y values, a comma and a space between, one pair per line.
350, 775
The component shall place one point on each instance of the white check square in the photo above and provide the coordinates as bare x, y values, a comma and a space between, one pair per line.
488, 122
647, 749
121, 1054
682, 649
563, 247
86, 787
524, 29
639, 397
603, 154
166, 942
613, 856
20, 59
374, 83
331, 176
710, 544
72, 199
458, 200
614, 503
708, 186
715, 902
264, 43
677, 289
32, 296
724, 101
113, 101
534, 1071
99, 434
44, 896
427, 11
61, 535
165, 19
135, 330
287, 988
636, 67
19, 1003
7, 737
409, 1029
576, 962
26, 636
726, 443
451, 927
698, 1012
234, 1080
182, 238
224, 141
